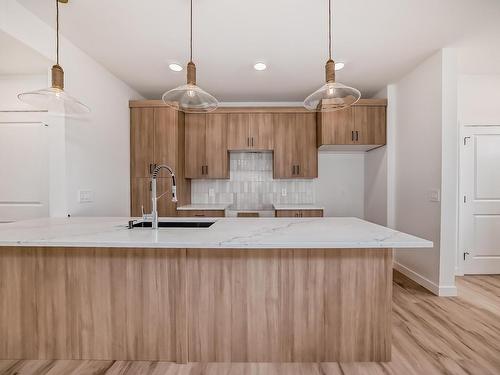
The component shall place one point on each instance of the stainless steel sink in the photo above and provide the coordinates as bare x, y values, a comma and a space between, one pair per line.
171, 224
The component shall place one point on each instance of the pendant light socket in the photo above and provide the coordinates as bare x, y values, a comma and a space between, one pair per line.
57, 77
191, 73
330, 71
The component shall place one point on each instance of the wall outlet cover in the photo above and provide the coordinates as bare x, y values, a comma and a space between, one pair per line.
85, 196
283, 192
435, 195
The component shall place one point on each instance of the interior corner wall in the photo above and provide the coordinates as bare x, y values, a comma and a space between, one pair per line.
375, 191
96, 146
417, 167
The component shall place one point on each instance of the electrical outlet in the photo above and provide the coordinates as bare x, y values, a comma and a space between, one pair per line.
434, 195
283, 192
85, 196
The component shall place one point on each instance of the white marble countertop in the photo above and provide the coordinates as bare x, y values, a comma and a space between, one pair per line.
291, 206
225, 233
203, 207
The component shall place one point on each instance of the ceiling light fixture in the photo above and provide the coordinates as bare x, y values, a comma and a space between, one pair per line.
333, 95
54, 99
175, 67
260, 66
190, 97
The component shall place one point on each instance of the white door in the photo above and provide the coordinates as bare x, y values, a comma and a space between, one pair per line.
480, 194
24, 171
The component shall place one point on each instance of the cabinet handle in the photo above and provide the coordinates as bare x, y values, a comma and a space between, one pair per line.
352, 136
357, 136
252, 141
248, 141
293, 169
298, 169
206, 169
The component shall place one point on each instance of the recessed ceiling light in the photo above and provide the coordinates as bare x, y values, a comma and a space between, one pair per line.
339, 65
260, 66
175, 67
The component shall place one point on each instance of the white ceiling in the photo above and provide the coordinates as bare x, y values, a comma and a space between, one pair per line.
17, 58
379, 40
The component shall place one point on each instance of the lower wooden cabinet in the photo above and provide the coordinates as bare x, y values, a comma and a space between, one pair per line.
299, 213
141, 197
201, 213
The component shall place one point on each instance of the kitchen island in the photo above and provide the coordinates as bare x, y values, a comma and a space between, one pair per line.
240, 290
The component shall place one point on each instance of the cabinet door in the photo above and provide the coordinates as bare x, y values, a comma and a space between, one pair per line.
141, 141
311, 213
140, 196
287, 213
370, 124
216, 165
306, 158
165, 138
261, 131
238, 137
299, 213
195, 136
284, 145
336, 128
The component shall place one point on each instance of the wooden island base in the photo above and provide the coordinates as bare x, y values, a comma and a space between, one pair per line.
196, 305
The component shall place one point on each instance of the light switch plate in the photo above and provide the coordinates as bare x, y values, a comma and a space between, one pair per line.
283, 192
85, 196
435, 195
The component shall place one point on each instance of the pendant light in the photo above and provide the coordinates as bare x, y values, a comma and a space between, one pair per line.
190, 97
54, 99
333, 95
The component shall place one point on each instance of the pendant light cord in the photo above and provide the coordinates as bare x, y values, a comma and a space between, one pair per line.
191, 34
329, 29
57, 31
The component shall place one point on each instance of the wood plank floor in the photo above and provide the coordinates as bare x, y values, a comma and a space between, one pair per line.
431, 336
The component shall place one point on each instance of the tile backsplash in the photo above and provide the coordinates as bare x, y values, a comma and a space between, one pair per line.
251, 185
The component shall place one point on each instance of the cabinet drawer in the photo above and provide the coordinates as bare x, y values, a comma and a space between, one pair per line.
299, 213
200, 213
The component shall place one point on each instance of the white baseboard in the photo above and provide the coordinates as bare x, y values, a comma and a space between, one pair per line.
442, 291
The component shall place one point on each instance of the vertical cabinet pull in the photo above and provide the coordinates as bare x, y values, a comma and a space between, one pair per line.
206, 169
298, 169
357, 135
352, 136
252, 141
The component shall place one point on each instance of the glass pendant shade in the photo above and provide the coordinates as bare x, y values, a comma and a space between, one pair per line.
191, 98
332, 96
54, 100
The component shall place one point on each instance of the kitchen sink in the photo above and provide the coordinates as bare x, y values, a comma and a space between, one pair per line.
171, 224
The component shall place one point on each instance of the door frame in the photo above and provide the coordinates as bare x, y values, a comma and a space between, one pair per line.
461, 248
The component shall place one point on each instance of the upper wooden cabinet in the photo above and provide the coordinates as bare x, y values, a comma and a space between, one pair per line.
250, 131
156, 137
295, 152
206, 146
360, 127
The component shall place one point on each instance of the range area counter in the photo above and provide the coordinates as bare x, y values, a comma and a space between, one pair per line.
240, 290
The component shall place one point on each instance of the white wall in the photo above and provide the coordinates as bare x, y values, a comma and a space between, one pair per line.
95, 154
479, 98
340, 186
425, 160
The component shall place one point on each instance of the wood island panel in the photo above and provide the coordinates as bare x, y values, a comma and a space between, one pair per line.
289, 305
196, 305
85, 303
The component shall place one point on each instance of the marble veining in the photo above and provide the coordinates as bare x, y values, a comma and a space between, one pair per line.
331, 232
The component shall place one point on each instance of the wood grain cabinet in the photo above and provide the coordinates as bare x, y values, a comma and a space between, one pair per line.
250, 131
295, 151
201, 213
206, 155
299, 213
156, 137
360, 127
